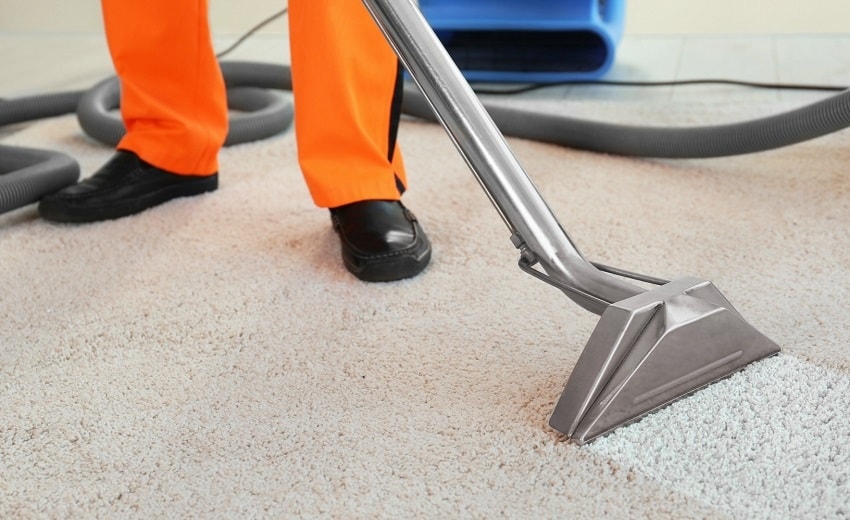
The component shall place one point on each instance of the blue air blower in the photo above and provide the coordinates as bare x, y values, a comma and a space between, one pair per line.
538, 41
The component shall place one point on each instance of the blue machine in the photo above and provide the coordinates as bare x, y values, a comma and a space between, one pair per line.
528, 40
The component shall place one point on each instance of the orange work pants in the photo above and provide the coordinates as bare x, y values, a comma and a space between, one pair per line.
346, 86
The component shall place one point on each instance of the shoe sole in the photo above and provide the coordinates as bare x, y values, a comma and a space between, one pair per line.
390, 270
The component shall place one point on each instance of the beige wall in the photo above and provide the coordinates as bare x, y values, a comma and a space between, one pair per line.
737, 16
643, 16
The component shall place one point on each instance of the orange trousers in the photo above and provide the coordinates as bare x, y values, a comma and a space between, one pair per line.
346, 88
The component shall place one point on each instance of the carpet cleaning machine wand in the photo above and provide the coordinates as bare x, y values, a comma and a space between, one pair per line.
650, 347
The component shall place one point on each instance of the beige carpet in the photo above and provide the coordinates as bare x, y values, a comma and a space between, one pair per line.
211, 358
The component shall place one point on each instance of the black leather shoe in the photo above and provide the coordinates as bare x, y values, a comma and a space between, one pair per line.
125, 185
381, 240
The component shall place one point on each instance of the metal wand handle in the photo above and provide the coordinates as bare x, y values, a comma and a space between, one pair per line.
535, 229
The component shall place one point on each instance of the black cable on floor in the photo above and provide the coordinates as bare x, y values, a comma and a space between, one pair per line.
615, 83
252, 31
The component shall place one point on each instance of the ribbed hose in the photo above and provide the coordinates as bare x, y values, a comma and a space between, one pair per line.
27, 174
795, 126
30, 108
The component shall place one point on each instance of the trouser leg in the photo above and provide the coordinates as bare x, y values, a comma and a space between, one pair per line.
347, 90
173, 100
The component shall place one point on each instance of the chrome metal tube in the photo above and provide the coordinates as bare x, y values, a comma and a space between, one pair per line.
476, 136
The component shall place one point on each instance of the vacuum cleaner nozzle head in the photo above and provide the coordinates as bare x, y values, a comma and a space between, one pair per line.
651, 349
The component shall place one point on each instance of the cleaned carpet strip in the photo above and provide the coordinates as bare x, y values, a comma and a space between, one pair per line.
771, 441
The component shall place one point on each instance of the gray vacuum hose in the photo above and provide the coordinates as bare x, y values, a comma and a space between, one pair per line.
26, 174
268, 115
808, 122
40, 106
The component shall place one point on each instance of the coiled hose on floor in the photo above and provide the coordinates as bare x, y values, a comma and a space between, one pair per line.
266, 115
802, 124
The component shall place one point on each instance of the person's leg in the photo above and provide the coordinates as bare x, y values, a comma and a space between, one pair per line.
173, 101
347, 89
174, 107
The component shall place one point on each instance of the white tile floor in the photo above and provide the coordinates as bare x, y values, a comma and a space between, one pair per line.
33, 63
